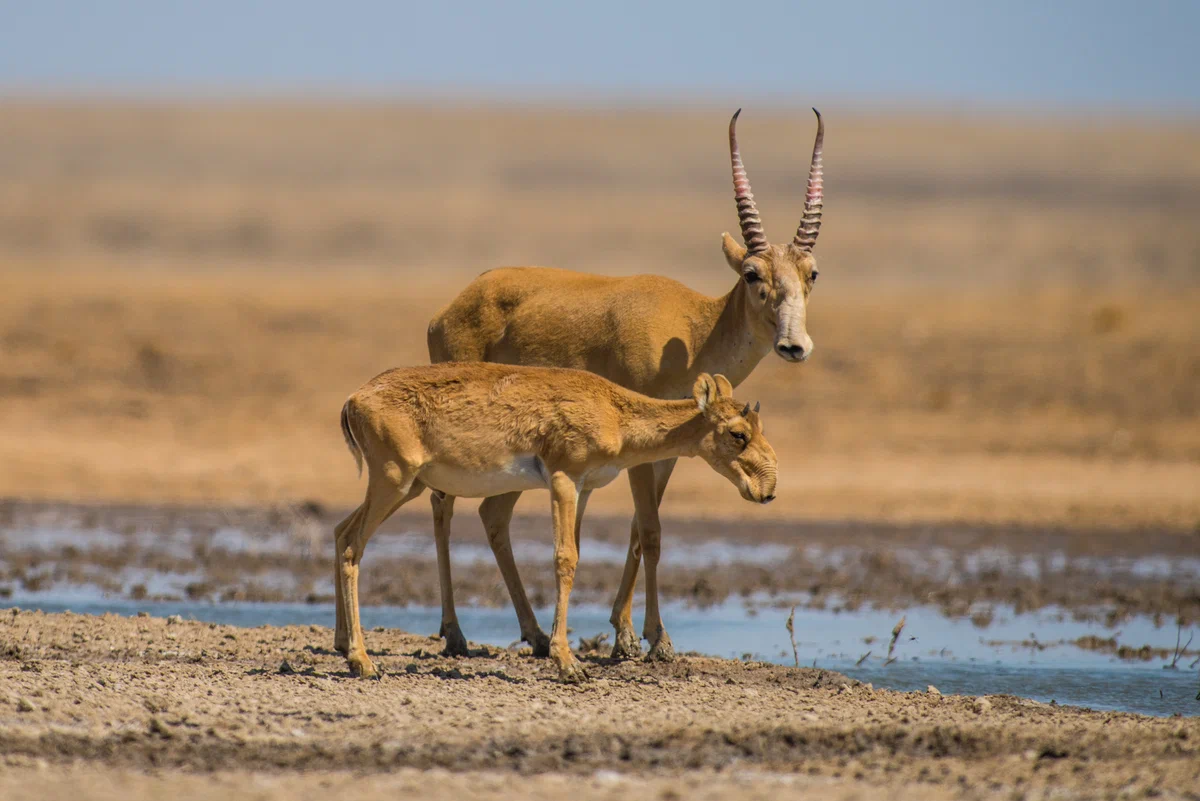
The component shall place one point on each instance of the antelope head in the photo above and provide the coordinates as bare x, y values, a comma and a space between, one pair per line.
733, 443
777, 279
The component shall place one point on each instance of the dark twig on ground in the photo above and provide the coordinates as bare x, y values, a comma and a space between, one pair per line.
791, 629
589, 645
895, 636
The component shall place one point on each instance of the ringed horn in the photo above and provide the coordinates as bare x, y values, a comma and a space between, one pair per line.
748, 217
752, 229
810, 223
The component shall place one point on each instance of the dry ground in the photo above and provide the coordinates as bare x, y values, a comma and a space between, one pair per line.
269, 712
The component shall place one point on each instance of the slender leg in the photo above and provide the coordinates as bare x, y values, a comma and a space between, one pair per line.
648, 483
383, 498
580, 506
627, 644
563, 500
443, 511
496, 513
661, 647
341, 638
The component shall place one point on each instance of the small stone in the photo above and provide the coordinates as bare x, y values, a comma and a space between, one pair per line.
174, 619
143, 613
285, 668
314, 628
24, 706
843, 687
933, 690
982, 706
607, 777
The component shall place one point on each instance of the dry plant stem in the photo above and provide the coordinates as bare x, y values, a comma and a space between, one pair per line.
1179, 651
791, 629
892, 644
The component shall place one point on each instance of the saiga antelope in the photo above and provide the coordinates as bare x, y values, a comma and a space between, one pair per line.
647, 333
480, 430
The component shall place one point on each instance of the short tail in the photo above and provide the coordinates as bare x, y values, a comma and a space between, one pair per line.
348, 433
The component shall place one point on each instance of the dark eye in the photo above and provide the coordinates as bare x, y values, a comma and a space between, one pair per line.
814, 276
739, 438
751, 277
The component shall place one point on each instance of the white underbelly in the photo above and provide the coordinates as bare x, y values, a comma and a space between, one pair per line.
600, 477
521, 474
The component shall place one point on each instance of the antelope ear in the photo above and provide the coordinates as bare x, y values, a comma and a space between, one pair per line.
735, 254
724, 388
704, 391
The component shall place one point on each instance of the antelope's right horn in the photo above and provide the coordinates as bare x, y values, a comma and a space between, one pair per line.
810, 223
752, 229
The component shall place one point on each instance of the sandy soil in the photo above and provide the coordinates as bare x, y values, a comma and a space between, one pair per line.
200, 706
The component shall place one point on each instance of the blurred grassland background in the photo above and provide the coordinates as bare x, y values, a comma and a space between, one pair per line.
1005, 326
217, 221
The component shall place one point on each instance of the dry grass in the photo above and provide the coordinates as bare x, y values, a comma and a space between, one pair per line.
1005, 324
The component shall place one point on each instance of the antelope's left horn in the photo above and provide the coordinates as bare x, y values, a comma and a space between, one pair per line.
810, 223
748, 219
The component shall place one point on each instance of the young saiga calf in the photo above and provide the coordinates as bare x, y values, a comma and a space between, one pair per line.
479, 429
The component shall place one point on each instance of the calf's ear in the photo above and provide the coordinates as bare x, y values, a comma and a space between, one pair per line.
704, 391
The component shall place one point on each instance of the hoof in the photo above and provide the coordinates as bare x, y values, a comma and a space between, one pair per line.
456, 643
364, 669
663, 650
627, 645
540, 644
572, 673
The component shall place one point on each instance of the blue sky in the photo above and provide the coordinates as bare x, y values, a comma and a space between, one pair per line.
1046, 55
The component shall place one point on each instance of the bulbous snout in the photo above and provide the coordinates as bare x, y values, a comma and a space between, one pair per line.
792, 341
757, 482
794, 349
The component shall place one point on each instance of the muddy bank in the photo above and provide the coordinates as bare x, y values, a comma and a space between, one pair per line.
135, 694
284, 553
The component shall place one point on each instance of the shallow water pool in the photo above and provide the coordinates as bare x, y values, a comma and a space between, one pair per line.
1029, 655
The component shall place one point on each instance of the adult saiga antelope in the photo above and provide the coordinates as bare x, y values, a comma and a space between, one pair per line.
647, 333
481, 430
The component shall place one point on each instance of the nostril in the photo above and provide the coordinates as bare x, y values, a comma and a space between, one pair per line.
768, 498
793, 351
